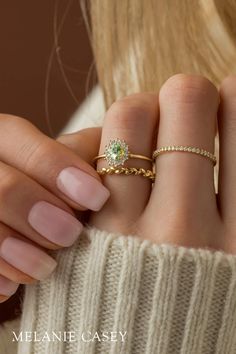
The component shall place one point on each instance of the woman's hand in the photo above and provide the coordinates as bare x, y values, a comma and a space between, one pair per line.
41, 181
182, 208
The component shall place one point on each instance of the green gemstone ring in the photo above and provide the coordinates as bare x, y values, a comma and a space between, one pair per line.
117, 153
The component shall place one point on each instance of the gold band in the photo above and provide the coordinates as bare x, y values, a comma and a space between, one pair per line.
130, 156
128, 171
194, 150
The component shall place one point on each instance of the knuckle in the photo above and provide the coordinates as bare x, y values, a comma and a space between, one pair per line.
188, 89
129, 111
30, 154
8, 186
146, 96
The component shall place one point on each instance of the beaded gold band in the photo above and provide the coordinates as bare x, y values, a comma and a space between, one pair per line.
128, 171
117, 152
194, 150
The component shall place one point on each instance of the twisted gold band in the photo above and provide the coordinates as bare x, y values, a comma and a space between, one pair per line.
127, 171
130, 156
194, 150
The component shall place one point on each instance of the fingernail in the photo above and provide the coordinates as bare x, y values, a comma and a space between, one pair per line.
7, 287
82, 188
27, 258
54, 224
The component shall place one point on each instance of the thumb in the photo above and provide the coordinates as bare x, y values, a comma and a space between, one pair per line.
85, 142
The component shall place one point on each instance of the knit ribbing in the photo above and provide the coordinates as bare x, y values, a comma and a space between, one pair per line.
169, 299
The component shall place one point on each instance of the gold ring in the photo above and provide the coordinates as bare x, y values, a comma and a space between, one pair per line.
128, 171
194, 150
117, 152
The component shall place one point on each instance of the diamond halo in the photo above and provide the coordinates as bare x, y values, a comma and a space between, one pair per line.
116, 152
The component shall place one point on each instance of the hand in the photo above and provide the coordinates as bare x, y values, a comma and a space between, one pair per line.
41, 182
182, 208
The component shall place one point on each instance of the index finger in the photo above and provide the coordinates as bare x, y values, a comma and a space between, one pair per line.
51, 164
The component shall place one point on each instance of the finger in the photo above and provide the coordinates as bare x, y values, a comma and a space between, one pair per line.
227, 135
3, 298
132, 119
7, 288
7, 270
84, 143
34, 212
14, 274
50, 163
27, 258
185, 181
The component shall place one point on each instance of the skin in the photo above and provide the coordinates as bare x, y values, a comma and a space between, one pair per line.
182, 208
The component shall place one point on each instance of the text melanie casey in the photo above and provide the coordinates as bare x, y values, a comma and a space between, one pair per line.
72, 336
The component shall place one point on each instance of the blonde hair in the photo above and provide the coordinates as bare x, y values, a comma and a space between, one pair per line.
138, 44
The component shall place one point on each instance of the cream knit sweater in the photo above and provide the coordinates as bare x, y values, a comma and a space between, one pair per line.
118, 294
154, 298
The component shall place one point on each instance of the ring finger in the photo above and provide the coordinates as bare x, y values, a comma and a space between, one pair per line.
184, 190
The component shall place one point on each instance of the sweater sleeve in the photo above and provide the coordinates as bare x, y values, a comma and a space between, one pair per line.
118, 294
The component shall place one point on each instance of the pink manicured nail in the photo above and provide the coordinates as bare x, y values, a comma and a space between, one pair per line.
55, 224
7, 287
82, 188
27, 258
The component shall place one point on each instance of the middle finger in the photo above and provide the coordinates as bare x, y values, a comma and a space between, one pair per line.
34, 212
